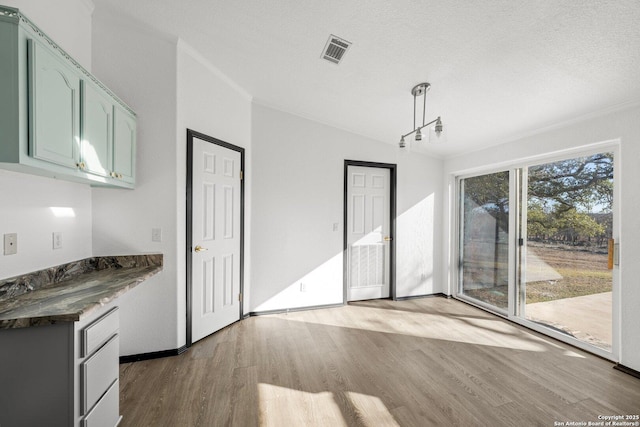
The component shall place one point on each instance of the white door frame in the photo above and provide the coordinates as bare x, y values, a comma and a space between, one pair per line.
191, 134
392, 223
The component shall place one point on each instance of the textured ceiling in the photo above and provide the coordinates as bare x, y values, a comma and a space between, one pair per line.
499, 69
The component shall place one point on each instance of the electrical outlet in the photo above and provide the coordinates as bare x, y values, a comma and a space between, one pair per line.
156, 234
303, 287
335, 226
11, 243
57, 240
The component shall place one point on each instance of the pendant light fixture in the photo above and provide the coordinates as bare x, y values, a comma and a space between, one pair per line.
421, 90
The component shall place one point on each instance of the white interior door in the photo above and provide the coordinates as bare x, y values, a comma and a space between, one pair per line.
215, 238
368, 239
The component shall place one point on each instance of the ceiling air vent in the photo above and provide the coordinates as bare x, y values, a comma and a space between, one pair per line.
335, 49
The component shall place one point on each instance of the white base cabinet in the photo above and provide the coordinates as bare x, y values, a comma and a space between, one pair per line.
65, 374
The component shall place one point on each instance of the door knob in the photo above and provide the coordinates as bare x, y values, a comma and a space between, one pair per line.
388, 238
199, 248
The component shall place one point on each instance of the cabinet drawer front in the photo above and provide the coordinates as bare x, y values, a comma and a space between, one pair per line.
99, 332
106, 413
99, 372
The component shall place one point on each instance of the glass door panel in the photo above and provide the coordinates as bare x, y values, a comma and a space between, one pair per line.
484, 239
565, 276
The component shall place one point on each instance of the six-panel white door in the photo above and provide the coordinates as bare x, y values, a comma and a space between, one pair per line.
215, 238
368, 238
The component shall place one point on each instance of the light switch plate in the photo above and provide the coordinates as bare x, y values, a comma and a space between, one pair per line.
11, 243
156, 234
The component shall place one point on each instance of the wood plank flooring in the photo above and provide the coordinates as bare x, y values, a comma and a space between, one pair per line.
422, 362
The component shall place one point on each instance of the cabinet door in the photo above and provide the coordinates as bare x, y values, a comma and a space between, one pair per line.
54, 116
97, 125
124, 145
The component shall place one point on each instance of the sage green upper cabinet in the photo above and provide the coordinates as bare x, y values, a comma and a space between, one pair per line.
56, 119
108, 147
124, 146
54, 116
97, 130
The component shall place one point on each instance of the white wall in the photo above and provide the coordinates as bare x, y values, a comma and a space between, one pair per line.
298, 173
27, 199
419, 225
212, 104
67, 22
621, 125
171, 88
26, 209
140, 66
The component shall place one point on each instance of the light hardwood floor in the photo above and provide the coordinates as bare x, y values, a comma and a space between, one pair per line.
423, 362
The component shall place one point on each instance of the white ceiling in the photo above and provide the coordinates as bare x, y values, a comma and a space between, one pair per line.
499, 69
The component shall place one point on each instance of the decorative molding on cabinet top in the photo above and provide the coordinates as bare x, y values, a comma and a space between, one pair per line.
9, 12
14, 15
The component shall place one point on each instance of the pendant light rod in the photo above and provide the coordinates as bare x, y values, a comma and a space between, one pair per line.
414, 109
424, 106
423, 126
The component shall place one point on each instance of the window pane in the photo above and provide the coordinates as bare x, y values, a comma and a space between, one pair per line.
485, 238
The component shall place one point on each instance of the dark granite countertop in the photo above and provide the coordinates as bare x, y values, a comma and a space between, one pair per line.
68, 292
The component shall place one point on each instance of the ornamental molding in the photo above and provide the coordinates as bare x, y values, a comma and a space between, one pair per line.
14, 15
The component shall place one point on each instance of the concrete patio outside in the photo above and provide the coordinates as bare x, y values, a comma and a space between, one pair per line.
588, 318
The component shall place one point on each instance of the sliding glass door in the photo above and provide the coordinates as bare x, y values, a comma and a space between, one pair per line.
484, 239
535, 244
567, 281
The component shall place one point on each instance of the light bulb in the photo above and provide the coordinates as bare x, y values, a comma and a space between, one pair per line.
438, 127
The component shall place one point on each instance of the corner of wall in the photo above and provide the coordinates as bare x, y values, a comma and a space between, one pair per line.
139, 63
